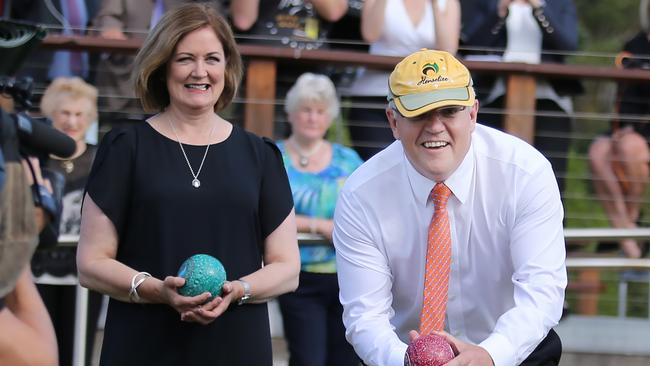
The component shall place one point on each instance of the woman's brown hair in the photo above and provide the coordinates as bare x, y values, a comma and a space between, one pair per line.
150, 66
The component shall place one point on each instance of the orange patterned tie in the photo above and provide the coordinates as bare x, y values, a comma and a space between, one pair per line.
436, 277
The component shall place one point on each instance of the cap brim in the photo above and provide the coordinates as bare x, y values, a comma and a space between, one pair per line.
415, 104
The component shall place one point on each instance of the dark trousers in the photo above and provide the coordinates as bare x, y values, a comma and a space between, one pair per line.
313, 325
60, 304
552, 132
547, 353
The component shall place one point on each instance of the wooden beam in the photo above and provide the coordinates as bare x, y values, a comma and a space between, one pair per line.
588, 299
519, 119
259, 110
356, 58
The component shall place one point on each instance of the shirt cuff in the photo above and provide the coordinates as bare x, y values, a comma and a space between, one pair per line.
397, 356
500, 349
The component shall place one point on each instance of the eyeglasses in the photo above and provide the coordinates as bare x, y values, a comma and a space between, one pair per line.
444, 114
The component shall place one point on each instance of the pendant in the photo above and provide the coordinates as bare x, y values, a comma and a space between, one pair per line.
304, 161
196, 183
67, 165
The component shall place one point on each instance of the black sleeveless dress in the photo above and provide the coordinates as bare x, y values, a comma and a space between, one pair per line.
141, 181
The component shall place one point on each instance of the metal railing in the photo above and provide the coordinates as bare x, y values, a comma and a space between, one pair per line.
81, 303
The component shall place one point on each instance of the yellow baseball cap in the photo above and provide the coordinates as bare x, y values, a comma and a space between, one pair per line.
429, 79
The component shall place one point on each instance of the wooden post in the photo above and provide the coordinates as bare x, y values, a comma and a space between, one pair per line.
260, 97
6, 103
520, 107
588, 300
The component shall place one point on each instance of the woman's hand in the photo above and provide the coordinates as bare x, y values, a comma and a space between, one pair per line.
184, 305
206, 313
502, 8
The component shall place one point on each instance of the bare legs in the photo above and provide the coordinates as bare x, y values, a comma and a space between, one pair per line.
620, 169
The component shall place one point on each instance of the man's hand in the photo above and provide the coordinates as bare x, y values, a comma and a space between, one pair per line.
467, 354
113, 33
40, 217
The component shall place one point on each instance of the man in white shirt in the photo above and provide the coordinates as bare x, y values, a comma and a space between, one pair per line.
507, 270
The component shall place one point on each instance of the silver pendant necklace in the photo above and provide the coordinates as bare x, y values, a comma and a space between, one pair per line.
196, 183
303, 157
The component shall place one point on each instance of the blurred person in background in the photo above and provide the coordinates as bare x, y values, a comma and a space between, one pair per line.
317, 170
619, 160
184, 182
71, 105
296, 24
27, 337
299, 24
394, 28
66, 17
529, 31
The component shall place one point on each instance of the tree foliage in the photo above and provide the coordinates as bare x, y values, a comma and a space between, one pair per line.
606, 24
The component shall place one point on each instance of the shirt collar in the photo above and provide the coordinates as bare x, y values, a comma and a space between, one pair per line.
458, 182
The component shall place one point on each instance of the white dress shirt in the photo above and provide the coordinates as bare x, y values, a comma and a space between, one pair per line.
508, 271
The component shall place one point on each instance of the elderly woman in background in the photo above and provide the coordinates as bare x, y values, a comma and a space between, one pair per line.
71, 104
184, 182
316, 169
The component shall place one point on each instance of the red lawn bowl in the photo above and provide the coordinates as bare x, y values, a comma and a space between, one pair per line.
428, 350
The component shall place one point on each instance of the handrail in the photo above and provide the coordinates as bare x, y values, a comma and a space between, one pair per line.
307, 238
609, 263
261, 75
574, 234
99, 44
606, 234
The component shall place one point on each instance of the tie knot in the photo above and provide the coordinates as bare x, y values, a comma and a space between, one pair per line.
440, 195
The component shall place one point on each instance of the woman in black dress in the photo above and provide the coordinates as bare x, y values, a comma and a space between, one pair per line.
187, 182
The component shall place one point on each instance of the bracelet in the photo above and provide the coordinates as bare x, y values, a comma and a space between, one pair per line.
246, 297
136, 281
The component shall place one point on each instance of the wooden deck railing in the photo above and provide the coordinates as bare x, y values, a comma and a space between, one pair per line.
262, 62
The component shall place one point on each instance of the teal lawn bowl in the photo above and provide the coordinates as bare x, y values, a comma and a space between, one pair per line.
202, 273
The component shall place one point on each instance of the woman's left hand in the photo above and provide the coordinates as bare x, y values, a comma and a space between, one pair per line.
208, 312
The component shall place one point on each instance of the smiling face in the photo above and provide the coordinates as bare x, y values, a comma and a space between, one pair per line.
72, 117
310, 121
437, 141
195, 73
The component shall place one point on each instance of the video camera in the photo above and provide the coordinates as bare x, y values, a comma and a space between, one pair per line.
21, 136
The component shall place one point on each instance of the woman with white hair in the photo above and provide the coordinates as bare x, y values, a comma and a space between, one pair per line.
317, 169
71, 104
